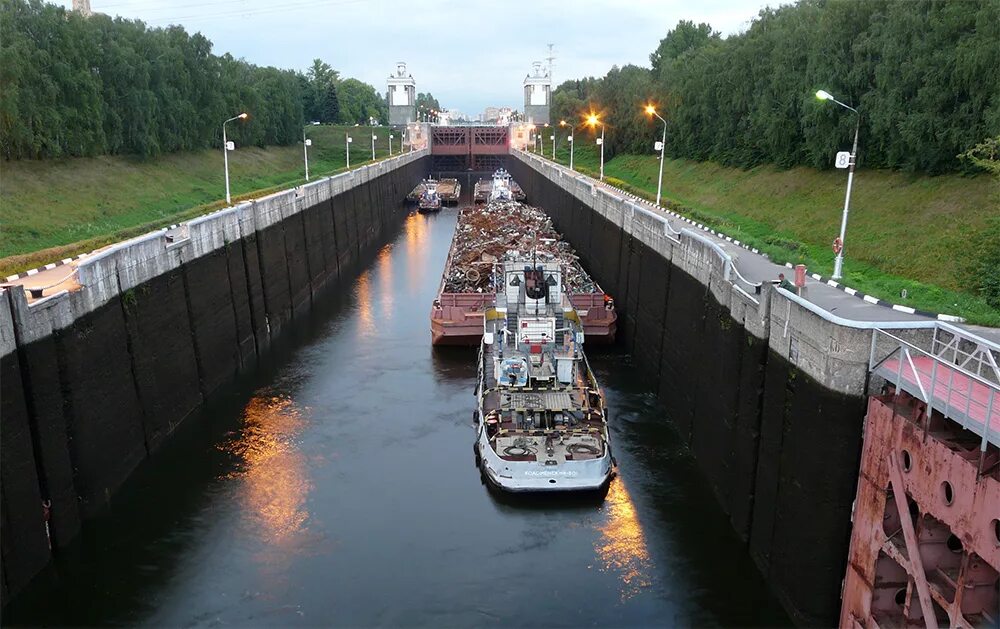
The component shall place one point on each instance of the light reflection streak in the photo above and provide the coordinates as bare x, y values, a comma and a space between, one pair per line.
274, 470
384, 262
415, 229
366, 321
622, 545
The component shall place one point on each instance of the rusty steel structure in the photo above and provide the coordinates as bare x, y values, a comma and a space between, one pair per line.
925, 545
477, 149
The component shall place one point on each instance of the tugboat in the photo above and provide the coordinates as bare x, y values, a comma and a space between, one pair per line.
541, 418
430, 200
500, 188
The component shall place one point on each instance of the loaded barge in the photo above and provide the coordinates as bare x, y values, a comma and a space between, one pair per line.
542, 421
500, 188
484, 236
448, 190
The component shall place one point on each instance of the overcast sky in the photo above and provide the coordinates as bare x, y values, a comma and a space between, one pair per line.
469, 54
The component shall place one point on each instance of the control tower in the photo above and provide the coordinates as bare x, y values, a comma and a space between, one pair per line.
402, 96
537, 94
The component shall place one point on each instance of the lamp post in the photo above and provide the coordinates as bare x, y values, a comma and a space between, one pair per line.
226, 149
838, 263
553, 138
306, 143
391, 136
593, 120
347, 143
374, 137
663, 147
569, 138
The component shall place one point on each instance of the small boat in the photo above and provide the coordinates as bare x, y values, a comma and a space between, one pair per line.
541, 417
430, 200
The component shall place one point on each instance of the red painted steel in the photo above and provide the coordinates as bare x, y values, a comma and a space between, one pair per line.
951, 387
470, 141
926, 521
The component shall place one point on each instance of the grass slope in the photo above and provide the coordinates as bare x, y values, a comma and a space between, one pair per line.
56, 208
905, 232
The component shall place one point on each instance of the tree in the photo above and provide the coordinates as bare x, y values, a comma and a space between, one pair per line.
331, 105
359, 102
685, 37
427, 101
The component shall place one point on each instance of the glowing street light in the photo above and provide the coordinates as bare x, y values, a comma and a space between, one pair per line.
593, 120
569, 138
838, 244
226, 147
651, 110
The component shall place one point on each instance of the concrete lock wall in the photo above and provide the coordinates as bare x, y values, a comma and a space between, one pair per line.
768, 395
94, 380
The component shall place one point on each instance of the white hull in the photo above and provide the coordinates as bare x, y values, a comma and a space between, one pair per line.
535, 476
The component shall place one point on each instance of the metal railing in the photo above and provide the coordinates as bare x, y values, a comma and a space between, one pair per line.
957, 376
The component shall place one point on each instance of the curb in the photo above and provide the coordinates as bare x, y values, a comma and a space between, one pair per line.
47, 267
881, 302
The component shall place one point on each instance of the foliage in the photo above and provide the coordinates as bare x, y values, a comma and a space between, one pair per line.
359, 102
922, 73
75, 86
427, 101
331, 105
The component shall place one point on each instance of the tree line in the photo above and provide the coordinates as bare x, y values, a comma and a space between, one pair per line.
922, 73
75, 86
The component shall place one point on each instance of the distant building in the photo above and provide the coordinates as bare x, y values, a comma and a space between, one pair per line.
537, 94
491, 113
82, 7
402, 96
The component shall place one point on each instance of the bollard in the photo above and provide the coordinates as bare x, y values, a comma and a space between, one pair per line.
800, 276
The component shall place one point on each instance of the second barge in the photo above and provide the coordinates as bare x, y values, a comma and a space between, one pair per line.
484, 236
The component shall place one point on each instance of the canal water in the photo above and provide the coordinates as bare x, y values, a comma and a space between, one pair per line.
337, 486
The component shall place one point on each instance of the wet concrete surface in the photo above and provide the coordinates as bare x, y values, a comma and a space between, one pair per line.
336, 486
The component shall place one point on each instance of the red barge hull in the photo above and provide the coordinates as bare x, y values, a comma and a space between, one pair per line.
457, 318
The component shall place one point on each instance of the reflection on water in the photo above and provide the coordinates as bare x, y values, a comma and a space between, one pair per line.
366, 323
273, 469
416, 232
384, 263
622, 545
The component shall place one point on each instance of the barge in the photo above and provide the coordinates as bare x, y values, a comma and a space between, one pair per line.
430, 200
487, 234
541, 417
449, 190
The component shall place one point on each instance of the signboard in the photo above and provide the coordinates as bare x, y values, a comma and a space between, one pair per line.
658, 146
569, 138
309, 142
600, 141
350, 139
843, 159
230, 146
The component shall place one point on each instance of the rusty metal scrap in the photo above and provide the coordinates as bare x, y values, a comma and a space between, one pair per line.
505, 231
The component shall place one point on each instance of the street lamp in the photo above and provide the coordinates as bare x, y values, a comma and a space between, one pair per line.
593, 120
306, 143
391, 136
569, 138
226, 147
553, 138
663, 146
347, 143
374, 137
838, 245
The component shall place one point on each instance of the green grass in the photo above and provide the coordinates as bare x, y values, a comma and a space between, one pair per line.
56, 208
906, 232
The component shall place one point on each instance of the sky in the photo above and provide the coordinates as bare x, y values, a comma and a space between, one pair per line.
469, 54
